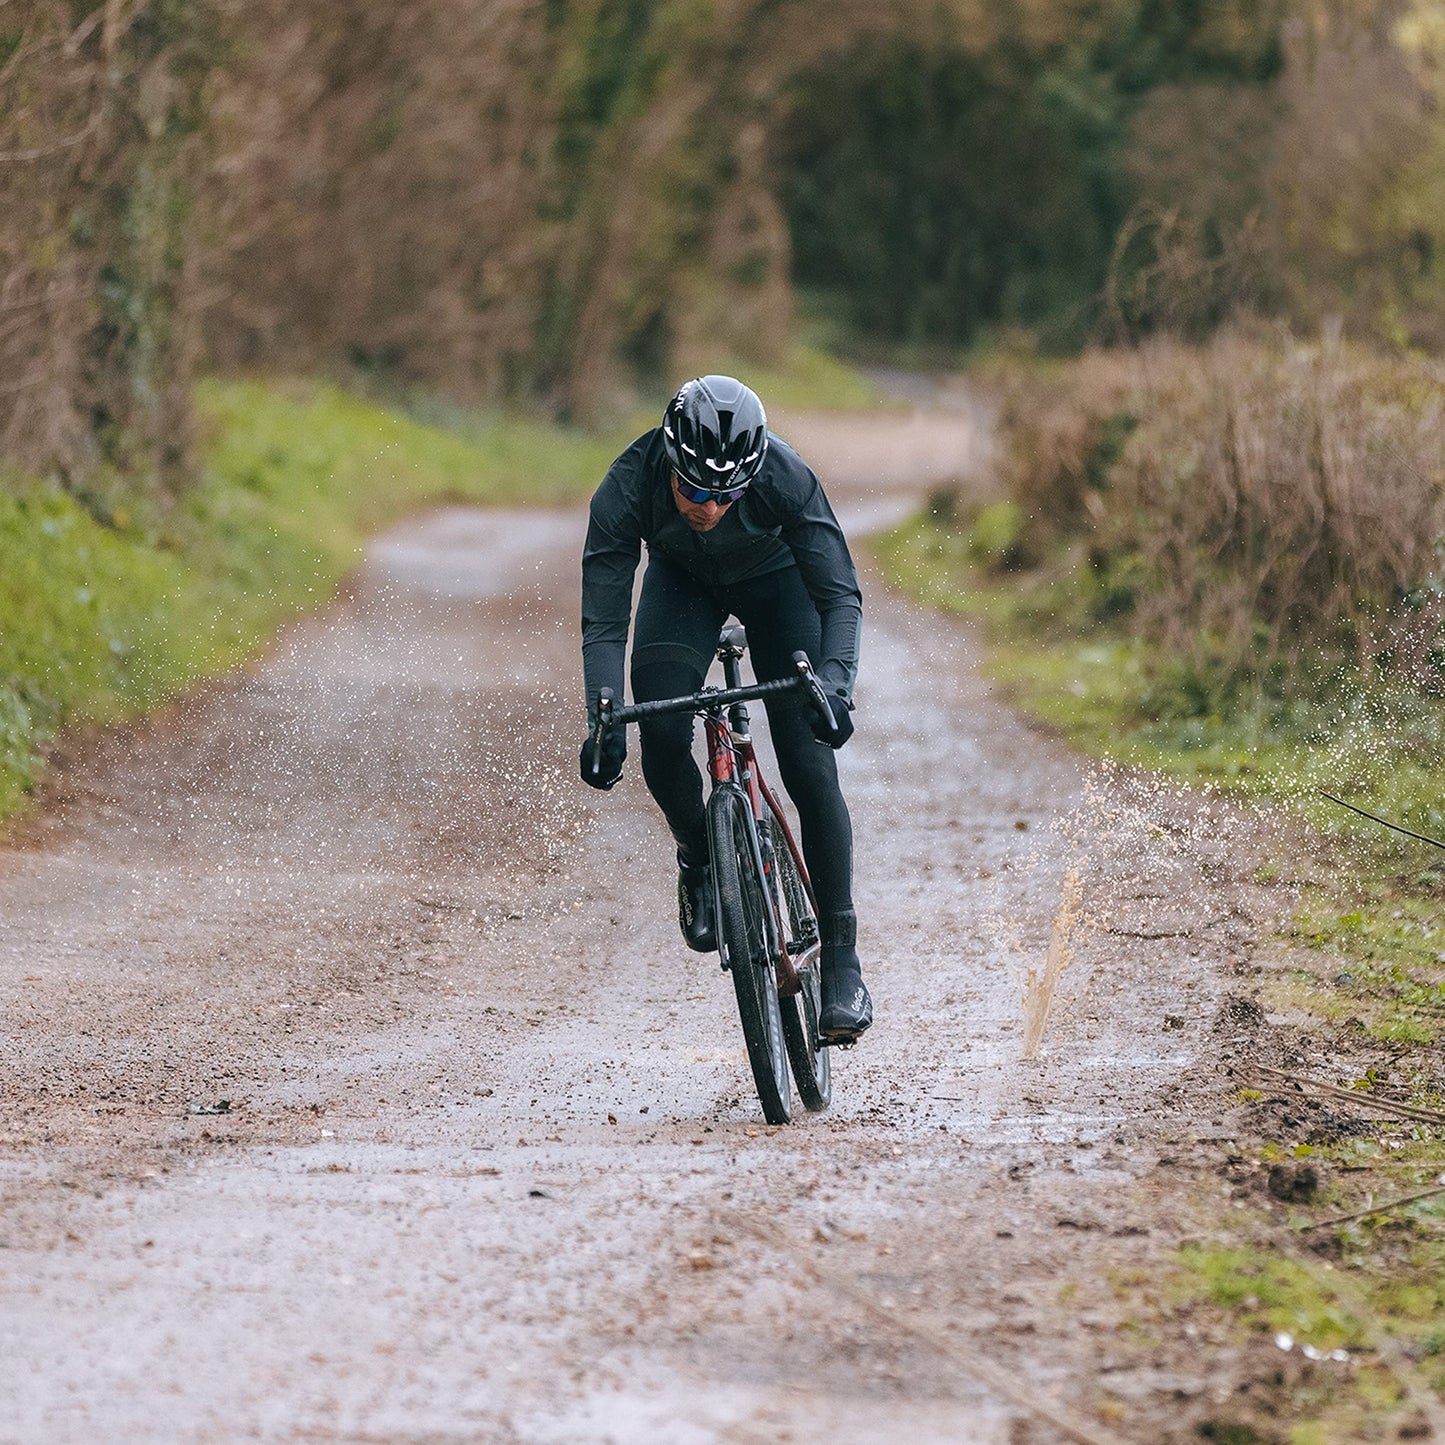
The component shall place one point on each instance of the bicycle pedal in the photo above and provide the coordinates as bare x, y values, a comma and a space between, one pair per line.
839, 1043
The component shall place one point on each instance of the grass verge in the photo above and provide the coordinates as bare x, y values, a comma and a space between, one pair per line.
1330, 1298
107, 611
1259, 1297
1372, 895
1343, 1344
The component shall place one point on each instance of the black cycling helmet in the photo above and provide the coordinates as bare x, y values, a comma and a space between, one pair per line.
715, 433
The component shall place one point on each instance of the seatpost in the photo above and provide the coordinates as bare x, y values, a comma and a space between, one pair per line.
731, 656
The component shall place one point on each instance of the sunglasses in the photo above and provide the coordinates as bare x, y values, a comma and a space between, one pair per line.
700, 496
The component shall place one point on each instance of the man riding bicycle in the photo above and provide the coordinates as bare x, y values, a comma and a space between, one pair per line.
736, 524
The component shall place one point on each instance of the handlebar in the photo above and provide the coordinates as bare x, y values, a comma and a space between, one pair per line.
610, 715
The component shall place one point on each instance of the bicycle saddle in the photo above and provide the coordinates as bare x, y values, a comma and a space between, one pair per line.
734, 639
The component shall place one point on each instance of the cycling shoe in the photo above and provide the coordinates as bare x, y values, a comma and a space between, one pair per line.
847, 1009
695, 908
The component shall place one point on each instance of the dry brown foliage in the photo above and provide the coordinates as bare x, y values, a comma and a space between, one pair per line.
486, 197
378, 171
1319, 197
1355, 173
548, 198
506, 197
1248, 502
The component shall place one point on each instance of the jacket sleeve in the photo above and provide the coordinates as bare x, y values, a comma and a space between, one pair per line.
609, 563
821, 551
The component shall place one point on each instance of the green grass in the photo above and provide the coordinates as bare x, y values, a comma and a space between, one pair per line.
1377, 1292
1392, 962
807, 379
1265, 1291
1370, 1293
1376, 902
107, 612
1110, 695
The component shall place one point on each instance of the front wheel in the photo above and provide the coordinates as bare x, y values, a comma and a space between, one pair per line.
743, 940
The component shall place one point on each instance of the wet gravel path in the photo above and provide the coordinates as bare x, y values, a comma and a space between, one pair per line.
356, 1086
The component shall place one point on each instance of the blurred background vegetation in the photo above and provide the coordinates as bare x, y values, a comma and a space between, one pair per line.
552, 200
557, 207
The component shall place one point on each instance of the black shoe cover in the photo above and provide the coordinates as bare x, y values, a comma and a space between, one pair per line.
847, 1009
695, 908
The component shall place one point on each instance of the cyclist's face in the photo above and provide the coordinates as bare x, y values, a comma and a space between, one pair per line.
700, 516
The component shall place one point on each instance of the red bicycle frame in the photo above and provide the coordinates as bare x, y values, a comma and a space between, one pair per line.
732, 760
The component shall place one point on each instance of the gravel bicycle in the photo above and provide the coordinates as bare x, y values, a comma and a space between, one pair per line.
767, 916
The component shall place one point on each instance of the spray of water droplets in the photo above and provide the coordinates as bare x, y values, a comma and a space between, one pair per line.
1137, 859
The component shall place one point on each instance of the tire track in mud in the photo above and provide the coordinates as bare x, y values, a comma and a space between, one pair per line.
356, 1086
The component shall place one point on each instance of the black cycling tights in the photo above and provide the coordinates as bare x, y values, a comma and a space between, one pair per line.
674, 641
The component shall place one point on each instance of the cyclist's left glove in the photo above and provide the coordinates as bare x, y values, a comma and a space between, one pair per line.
614, 753
842, 728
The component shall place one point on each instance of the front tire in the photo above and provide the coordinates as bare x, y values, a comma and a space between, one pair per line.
742, 927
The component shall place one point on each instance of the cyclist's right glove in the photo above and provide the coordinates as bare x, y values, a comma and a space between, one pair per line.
842, 728
614, 753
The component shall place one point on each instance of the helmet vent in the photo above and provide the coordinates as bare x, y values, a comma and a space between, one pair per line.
715, 428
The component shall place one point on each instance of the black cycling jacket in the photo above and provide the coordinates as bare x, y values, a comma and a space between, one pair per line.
782, 520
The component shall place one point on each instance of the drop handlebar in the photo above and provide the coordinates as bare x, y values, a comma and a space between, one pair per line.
608, 714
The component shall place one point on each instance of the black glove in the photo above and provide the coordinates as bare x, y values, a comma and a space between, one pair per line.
842, 729
614, 751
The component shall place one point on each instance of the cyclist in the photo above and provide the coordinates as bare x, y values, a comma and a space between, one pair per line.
736, 524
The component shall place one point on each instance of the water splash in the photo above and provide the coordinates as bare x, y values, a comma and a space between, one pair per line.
1040, 984
1139, 859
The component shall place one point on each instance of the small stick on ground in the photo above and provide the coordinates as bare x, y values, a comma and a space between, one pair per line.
1376, 818
1357, 1097
1378, 1209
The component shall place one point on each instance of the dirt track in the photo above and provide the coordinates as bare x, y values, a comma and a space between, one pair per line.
356, 1085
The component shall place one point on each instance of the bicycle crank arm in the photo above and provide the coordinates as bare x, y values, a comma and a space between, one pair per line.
789, 984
